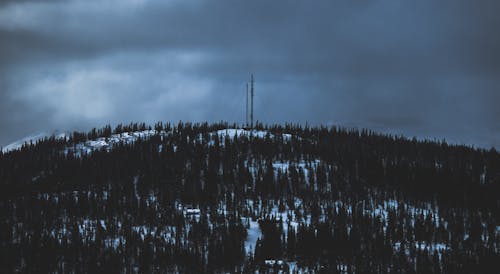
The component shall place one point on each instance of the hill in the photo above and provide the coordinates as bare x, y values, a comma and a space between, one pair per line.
218, 198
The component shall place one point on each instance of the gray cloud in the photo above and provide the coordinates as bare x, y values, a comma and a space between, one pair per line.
423, 68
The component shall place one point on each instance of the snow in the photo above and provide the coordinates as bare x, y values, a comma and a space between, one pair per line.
342, 268
103, 224
283, 216
87, 228
107, 143
431, 247
17, 145
292, 266
114, 242
284, 166
167, 233
253, 233
232, 132
281, 166
193, 211
89, 146
274, 262
482, 178
382, 211
305, 166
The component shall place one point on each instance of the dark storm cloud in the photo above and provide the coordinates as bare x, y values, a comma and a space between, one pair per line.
423, 68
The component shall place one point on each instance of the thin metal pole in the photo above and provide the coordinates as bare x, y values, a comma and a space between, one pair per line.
251, 113
246, 110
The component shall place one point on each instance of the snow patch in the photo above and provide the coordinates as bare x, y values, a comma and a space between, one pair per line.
107, 143
232, 132
253, 233
17, 145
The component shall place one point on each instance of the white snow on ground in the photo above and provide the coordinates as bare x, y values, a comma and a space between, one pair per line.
30, 139
382, 211
114, 242
302, 164
283, 167
342, 268
231, 133
253, 234
283, 216
292, 266
431, 247
107, 143
306, 167
167, 233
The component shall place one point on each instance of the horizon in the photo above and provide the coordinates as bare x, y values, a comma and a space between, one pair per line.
426, 69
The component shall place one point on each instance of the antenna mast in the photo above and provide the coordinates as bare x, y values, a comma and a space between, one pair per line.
252, 95
246, 110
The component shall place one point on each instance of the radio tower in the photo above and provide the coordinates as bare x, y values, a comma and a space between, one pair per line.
252, 95
246, 114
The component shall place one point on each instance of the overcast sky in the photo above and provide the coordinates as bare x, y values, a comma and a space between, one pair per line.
422, 68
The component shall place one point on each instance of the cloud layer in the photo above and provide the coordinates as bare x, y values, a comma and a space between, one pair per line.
421, 68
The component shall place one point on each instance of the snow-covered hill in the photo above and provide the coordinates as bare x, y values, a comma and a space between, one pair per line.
107, 143
87, 146
31, 139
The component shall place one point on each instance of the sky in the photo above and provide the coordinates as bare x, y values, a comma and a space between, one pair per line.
425, 68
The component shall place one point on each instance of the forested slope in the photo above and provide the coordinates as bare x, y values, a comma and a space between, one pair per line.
214, 198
